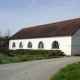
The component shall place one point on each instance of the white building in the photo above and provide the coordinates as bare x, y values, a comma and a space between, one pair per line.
63, 36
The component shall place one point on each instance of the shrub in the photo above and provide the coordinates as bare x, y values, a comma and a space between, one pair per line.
44, 53
27, 55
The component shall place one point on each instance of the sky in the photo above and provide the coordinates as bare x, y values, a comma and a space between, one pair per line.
18, 14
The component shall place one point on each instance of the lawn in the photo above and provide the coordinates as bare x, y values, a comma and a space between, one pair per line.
71, 72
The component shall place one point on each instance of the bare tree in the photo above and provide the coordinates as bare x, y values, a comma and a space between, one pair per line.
7, 33
0, 33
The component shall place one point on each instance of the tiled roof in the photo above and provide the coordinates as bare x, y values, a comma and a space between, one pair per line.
64, 28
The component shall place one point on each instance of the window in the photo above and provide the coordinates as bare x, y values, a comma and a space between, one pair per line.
20, 45
29, 45
13, 45
40, 45
55, 45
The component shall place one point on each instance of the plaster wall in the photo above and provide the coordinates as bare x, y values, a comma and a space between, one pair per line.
75, 50
64, 43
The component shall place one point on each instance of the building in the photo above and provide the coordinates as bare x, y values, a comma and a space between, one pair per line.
64, 35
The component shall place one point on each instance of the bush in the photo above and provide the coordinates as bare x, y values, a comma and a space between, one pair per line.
44, 53
9, 56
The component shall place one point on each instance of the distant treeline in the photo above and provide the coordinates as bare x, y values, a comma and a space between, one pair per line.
4, 43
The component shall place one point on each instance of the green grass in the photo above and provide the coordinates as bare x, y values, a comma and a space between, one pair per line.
7, 59
71, 72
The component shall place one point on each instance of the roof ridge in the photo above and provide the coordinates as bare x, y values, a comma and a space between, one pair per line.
52, 23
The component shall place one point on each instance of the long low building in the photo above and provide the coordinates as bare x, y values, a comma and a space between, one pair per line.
64, 35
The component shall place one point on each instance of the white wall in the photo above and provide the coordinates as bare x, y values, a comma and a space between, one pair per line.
64, 43
76, 43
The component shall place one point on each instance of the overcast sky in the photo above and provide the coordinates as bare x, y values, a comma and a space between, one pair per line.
18, 14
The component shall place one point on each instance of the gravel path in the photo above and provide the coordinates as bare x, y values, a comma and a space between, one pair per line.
34, 70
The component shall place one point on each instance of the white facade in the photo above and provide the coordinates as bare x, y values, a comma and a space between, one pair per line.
64, 43
75, 50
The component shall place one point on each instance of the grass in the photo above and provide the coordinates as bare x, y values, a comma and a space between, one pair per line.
7, 59
71, 72
4, 59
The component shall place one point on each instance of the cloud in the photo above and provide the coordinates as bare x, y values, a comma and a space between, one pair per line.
32, 4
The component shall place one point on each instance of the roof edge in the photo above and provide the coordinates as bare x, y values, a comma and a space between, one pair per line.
51, 23
75, 30
41, 37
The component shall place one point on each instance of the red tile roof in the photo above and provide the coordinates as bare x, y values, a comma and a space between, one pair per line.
64, 28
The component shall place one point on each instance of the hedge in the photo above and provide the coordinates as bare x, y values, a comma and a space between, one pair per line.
8, 56
44, 53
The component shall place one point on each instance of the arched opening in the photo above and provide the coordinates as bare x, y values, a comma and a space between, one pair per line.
29, 45
20, 45
13, 45
40, 45
55, 45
